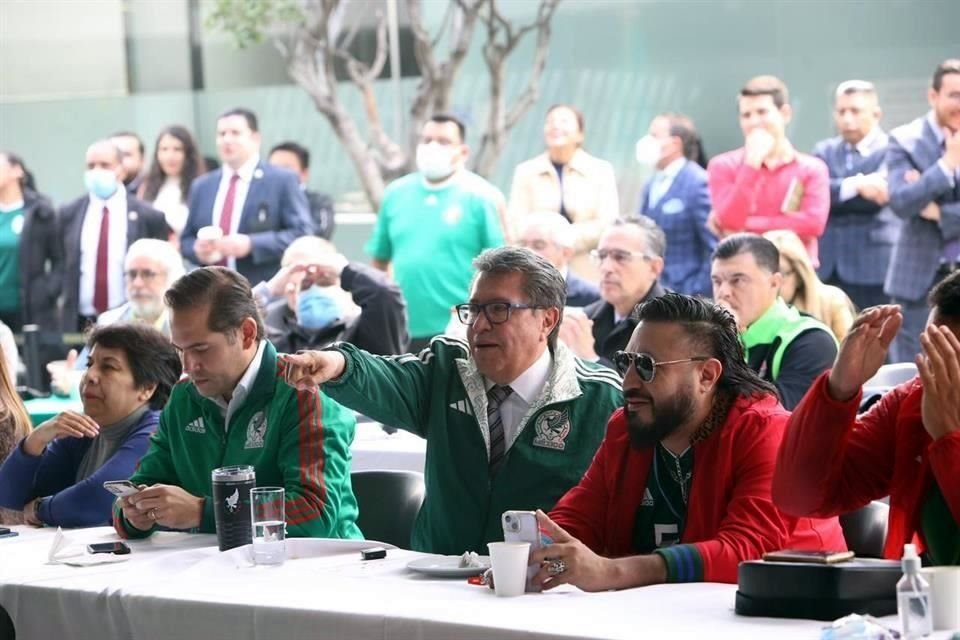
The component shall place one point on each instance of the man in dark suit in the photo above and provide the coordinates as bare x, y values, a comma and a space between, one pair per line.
296, 158
855, 249
677, 198
923, 165
553, 238
246, 212
96, 230
630, 258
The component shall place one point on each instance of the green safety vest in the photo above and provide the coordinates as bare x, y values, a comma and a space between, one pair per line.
782, 323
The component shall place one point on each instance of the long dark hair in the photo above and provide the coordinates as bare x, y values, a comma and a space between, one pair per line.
27, 183
193, 164
714, 330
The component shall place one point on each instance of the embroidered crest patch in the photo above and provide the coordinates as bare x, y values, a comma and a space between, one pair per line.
256, 430
551, 429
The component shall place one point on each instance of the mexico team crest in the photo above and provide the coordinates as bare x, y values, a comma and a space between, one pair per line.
256, 431
551, 430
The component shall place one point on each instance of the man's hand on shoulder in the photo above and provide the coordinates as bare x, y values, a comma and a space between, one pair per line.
309, 369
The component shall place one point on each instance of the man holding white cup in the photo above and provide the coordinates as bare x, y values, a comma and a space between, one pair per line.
245, 214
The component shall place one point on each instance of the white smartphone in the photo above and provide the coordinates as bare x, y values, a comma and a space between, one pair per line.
121, 488
521, 526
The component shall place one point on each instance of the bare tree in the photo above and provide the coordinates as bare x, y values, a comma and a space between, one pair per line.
311, 36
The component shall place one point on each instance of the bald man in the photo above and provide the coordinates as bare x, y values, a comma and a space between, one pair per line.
96, 230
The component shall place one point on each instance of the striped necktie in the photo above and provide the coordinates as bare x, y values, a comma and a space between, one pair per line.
495, 398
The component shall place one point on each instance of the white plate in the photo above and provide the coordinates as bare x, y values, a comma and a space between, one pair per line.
447, 566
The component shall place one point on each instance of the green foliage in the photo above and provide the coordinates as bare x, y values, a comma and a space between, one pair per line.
248, 20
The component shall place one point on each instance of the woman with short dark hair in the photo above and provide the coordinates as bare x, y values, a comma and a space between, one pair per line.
56, 473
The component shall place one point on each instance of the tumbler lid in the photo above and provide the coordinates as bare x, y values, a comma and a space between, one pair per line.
235, 473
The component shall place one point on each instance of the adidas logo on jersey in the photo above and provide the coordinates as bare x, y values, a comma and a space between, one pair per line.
197, 426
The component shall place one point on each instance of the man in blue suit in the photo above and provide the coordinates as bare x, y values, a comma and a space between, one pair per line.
861, 230
923, 164
248, 211
678, 200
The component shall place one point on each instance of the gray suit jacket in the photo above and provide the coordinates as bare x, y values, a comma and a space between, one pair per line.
860, 233
917, 253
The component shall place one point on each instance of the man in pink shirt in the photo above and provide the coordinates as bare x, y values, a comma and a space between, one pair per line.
768, 185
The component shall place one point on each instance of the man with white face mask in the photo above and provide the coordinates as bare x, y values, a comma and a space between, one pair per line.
431, 225
96, 230
677, 198
327, 299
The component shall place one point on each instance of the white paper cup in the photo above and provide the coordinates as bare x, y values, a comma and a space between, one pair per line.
209, 233
509, 561
944, 596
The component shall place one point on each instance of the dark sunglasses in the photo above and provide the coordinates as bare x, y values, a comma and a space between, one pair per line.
644, 364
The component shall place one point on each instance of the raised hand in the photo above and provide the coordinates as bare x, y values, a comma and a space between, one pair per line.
308, 369
864, 350
939, 367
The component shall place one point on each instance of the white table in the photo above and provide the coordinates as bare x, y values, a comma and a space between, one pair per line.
374, 449
175, 586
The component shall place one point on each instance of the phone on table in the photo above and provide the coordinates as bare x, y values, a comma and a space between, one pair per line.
118, 548
121, 488
521, 526
5, 532
810, 557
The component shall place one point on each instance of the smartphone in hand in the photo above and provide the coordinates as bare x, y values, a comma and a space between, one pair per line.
121, 488
522, 526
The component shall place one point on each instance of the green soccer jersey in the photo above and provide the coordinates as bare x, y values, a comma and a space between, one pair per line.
663, 511
432, 236
940, 530
11, 225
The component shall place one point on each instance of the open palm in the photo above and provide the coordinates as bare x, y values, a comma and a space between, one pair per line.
864, 349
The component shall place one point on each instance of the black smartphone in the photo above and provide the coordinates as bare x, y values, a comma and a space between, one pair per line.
119, 548
5, 532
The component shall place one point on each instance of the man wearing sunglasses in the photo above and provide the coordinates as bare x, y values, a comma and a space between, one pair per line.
511, 417
783, 346
679, 491
630, 258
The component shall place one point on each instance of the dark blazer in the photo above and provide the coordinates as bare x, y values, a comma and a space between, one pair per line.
274, 214
610, 336
917, 253
860, 233
580, 292
143, 221
682, 214
321, 211
41, 263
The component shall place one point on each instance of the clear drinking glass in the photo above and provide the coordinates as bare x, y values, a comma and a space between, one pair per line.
269, 525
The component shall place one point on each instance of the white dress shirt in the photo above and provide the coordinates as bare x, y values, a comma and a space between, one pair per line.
526, 389
116, 250
245, 174
242, 389
661, 181
170, 201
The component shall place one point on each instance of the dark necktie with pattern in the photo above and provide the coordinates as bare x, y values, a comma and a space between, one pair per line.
495, 398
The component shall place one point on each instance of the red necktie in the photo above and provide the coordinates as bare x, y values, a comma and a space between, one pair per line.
101, 284
226, 214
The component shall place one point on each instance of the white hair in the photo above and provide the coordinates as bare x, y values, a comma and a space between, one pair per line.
307, 246
555, 225
849, 87
159, 250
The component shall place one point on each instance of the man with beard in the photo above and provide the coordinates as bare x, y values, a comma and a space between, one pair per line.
511, 417
679, 491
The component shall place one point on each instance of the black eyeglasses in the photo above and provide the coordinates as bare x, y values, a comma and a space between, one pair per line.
146, 274
496, 312
644, 363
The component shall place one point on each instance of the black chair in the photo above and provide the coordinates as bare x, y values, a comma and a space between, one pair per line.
389, 502
865, 529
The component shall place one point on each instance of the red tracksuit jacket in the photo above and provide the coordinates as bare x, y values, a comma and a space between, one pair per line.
832, 461
730, 514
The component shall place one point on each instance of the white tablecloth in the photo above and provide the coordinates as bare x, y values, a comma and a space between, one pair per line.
374, 449
175, 586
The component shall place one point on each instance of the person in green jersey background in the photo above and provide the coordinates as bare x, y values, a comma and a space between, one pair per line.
29, 253
431, 225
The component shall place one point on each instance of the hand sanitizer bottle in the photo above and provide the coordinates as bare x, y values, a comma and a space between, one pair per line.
913, 597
